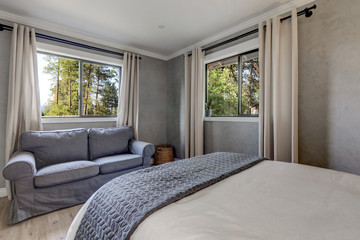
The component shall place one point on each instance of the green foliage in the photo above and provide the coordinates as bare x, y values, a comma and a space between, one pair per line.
64, 86
223, 89
109, 99
100, 88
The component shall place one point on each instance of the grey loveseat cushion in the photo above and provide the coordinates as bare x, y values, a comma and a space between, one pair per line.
65, 172
118, 162
109, 141
52, 147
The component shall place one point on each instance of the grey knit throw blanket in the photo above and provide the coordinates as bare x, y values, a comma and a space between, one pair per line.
122, 204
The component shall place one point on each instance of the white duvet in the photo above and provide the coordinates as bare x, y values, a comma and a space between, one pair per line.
272, 200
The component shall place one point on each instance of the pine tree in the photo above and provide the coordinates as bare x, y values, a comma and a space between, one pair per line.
88, 73
65, 84
100, 88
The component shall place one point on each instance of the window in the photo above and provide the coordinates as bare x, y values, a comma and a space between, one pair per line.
233, 86
71, 87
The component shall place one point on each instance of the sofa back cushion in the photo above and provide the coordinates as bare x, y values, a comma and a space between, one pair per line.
109, 141
52, 147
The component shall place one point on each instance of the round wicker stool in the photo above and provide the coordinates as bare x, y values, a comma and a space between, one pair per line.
163, 154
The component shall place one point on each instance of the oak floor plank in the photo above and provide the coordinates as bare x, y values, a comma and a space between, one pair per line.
52, 226
30, 230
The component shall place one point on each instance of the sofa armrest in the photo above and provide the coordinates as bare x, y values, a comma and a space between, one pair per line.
141, 148
146, 150
20, 165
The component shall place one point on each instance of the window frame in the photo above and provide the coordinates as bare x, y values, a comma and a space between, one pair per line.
238, 50
82, 57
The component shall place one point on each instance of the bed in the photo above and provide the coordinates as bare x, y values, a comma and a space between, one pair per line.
266, 200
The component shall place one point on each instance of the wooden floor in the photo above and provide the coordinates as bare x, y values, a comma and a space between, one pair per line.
52, 226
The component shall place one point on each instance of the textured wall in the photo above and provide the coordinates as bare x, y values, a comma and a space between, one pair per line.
240, 137
5, 39
175, 131
153, 97
329, 86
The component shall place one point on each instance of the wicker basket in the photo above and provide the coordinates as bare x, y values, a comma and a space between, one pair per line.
163, 154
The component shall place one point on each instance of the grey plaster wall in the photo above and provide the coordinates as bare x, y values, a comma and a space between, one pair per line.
153, 101
175, 122
329, 86
5, 39
240, 137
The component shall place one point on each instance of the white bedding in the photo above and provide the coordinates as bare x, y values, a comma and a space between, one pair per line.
272, 200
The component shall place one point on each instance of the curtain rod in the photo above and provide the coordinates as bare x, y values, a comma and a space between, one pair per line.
60, 40
307, 12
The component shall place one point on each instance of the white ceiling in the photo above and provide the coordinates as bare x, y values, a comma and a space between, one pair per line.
136, 23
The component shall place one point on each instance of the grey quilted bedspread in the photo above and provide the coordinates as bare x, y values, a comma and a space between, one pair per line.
123, 203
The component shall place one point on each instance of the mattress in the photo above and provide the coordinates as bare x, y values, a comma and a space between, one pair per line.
271, 200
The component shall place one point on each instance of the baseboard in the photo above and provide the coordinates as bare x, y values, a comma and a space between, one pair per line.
3, 192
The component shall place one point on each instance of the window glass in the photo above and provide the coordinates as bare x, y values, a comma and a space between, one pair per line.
222, 94
60, 92
100, 89
233, 86
59, 85
250, 84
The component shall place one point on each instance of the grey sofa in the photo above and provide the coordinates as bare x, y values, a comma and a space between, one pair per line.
57, 169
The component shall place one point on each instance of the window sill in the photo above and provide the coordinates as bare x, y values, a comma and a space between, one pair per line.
50, 120
231, 119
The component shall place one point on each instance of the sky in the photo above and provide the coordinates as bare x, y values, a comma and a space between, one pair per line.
44, 83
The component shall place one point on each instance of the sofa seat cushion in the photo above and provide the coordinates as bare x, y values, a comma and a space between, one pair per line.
104, 142
118, 162
65, 172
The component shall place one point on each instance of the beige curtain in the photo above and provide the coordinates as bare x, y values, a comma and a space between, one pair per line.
23, 109
194, 103
128, 106
278, 115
